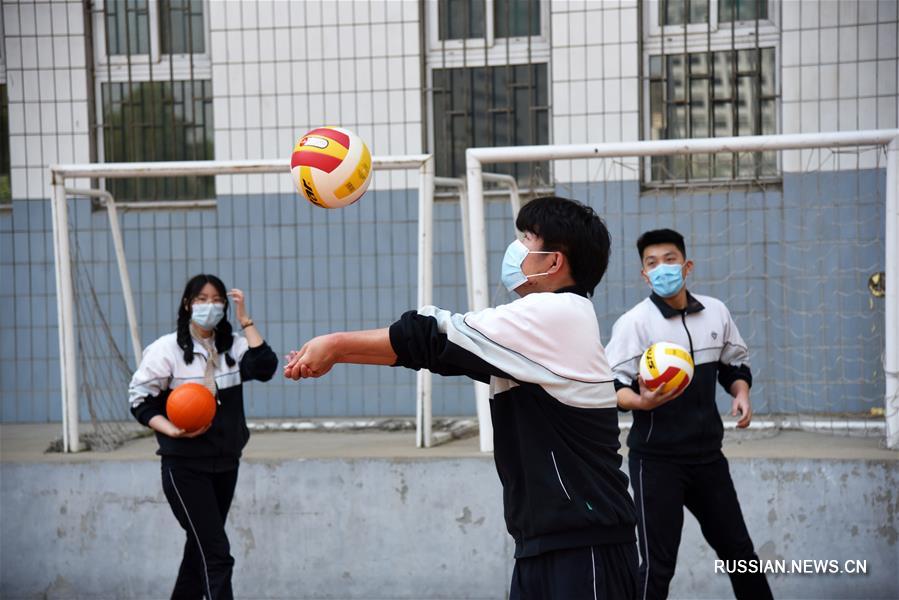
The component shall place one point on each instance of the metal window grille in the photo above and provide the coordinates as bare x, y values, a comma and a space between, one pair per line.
488, 97
158, 120
713, 94
711, 71
490, 106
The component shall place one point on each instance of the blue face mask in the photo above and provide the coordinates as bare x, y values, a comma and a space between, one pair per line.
511, 274
667, 280
207, 315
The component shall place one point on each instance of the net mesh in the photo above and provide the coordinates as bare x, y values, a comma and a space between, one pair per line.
798, 262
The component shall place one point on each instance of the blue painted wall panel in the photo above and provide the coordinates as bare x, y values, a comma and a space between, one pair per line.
791, 264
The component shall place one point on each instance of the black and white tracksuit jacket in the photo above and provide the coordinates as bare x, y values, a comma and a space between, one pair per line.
163, 368
554, 412
687, 429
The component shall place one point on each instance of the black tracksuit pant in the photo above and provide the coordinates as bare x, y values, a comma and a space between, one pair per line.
661, 491
200, 501
606, 572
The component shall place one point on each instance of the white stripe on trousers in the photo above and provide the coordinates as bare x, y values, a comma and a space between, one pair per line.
593, 561
199, 545
645, 535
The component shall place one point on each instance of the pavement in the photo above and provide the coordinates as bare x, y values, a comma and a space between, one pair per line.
28, 442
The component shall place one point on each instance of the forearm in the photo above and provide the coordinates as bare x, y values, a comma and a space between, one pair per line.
370, 347
628, 399
254, 338
161, 424
739, 387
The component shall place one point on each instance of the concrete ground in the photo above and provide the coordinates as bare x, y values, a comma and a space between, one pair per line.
29, 442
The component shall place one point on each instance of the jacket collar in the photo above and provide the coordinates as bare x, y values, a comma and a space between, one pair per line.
693, 306
572, 289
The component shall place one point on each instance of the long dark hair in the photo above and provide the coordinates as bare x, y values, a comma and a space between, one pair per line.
223, 332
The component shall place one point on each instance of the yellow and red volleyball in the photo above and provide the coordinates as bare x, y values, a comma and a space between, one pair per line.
331, 167
666, 365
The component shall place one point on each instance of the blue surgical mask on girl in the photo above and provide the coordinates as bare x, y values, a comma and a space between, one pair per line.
511, 274
207, 315
666, 279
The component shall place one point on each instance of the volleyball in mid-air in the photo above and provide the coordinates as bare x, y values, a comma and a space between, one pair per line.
331, 167
668, 365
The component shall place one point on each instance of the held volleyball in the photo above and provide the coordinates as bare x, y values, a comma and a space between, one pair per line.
190, 406
667, 365
331, 167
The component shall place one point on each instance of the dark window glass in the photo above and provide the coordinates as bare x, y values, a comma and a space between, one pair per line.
490, 106
516, 18
5, 191
713, 94
158, 121
682, 12
742, 10
181, 26
127, 27
461, 19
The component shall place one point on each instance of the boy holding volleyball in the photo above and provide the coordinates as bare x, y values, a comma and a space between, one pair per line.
675, 456
552, 401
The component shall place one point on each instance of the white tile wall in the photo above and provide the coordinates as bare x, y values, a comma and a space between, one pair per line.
594, 81
849, 58
281, 67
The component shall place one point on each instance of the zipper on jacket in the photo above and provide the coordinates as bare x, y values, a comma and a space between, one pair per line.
553, 456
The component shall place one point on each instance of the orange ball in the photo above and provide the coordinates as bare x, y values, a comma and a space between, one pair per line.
190, 406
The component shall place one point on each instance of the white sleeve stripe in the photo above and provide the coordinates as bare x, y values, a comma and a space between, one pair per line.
533, 362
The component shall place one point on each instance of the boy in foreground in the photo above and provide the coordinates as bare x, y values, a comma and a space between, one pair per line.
553, 402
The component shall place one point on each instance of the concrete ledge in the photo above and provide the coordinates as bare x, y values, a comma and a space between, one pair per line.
368, 516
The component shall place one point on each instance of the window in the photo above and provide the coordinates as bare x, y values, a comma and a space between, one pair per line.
710, 71
489, 83
489, 106
158, 120
5, 190
681, 12
154, 91
713, 94
467, 19
5, 182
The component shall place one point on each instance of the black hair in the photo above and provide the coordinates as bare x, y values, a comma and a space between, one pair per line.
224, 338
661, 236
575, 230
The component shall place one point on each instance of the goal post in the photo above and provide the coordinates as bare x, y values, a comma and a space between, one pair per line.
887, 140
64, 276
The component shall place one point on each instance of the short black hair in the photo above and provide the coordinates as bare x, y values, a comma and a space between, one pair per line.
661, 236
575, 230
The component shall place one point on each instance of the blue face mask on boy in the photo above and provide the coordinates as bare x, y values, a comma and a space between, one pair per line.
667, 279
511, 274
207, 315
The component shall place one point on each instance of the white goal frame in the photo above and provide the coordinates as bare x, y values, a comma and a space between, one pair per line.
477, 157
65, 291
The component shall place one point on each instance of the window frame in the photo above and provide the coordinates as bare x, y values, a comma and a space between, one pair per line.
153, 66
469, 52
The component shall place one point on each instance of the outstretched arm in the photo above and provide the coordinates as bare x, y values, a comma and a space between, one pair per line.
318, 355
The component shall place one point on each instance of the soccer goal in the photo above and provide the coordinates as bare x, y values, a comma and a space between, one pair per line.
797, 234
120, 265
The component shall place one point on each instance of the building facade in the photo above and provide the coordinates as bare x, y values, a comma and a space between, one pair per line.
143, 80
